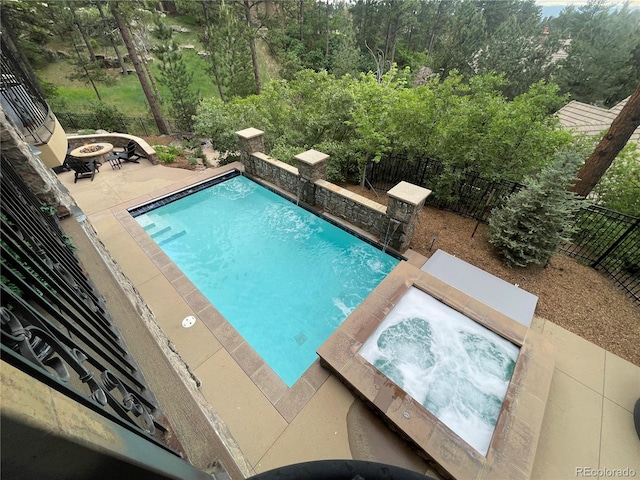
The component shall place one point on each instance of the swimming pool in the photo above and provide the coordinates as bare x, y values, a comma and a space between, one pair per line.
282, 276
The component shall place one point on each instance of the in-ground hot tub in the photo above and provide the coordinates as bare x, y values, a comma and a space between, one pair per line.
507, 449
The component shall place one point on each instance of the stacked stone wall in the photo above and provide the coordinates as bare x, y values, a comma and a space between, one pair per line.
355, 209
281, 174
393, 226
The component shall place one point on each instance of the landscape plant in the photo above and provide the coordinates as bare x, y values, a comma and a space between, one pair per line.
469, 127
109, 118
167, 153
496, 125
619, 188
533, 222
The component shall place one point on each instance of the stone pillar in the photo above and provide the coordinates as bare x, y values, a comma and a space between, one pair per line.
250, 140
405, 202
312, 166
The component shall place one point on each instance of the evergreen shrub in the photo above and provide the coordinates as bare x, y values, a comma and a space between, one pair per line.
533, 223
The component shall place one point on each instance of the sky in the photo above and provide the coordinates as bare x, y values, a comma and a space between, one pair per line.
552, 8
632, 3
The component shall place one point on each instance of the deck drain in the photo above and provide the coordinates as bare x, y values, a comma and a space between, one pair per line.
300, 338
188, 321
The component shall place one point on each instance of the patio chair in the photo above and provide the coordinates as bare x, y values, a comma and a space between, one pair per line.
114, 161
128, 154
81, 168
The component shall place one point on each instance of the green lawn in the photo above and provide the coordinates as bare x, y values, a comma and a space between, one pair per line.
126, 93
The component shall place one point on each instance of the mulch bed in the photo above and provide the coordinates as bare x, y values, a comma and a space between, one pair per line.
571, 295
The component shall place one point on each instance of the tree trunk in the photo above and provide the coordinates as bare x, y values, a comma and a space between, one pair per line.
326, 50
214, 65
85, 37
83, 65
216, 74
394, 41
434, 30
133, 55
252, 46
168, 6
7, 34
56, 21
123, 67
605, 152
387, 40
301, 20
147, 70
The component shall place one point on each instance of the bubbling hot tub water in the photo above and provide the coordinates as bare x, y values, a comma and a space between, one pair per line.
456, 368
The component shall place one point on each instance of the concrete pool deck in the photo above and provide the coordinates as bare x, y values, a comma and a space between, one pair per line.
587, 422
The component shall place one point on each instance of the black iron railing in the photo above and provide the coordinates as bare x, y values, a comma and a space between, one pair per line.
605, 240
22, 100
609, 241
466, 193
140, 126
54, 322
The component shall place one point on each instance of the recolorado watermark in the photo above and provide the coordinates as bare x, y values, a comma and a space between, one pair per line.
590, 472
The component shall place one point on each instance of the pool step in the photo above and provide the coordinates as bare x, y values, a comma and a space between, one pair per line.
154, 225
172, 237
146, 223
160, 232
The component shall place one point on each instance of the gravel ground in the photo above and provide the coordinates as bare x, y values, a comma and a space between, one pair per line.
574, 296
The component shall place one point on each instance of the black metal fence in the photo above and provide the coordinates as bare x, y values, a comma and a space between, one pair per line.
22, 99
609, 241
606, 240
463, 192
140, 126
55, 326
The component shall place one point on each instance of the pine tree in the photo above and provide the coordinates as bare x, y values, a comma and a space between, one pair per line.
174, 75
531, 225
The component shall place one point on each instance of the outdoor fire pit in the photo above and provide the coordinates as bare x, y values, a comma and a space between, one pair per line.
91, 148
96, 152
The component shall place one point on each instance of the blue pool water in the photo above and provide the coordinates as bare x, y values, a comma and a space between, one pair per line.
282, 276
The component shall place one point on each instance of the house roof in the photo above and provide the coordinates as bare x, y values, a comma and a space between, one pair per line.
589, 120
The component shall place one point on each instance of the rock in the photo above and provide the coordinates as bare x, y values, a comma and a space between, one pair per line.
423, 76
111, 63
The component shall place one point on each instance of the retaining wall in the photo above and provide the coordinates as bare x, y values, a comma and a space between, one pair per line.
392, 226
